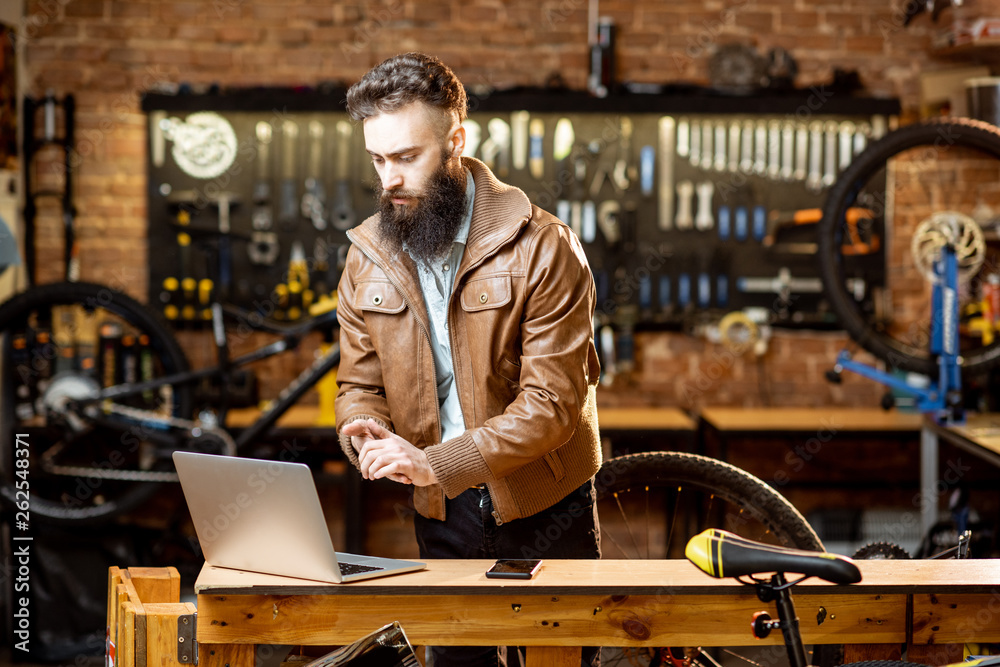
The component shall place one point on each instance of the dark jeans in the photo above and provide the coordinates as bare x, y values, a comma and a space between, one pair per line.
568, 529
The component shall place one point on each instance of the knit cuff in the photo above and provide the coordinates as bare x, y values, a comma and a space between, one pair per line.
345, 440
458, 465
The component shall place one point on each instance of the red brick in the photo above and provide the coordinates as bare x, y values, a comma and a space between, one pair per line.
84, 9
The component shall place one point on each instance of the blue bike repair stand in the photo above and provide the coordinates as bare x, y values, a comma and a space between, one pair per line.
941, 399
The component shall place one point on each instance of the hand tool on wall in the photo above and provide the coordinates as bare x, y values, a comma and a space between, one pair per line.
846, 149
683, 138
343, 213
536, 148
704, 219
784, 285
519, 138
684, 290
314, 193
263, 133
704, 290
773, 149
562, 146
608, 220
707, 145
721, 155
496, 149
294, 296
814, 179
759, 222
288, 204
801, 152
646, 294
722, 290
861, 137
725, 222
473, 135
664, 296
624, 173
760, 148
685, 205
857, 242
647, 170
263, 247
667, 136
224, 201
157, 142
694, 149
746, 146
588, 222
741, 223
831, 131
879, 126
787, 151
734, 145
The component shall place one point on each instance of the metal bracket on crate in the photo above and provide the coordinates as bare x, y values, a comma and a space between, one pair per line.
187, 639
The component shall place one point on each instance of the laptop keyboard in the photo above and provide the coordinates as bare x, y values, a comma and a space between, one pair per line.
354, 568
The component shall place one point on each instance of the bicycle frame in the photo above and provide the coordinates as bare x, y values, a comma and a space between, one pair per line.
291, 337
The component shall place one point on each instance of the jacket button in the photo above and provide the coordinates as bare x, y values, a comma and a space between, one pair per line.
377, 299
483, 298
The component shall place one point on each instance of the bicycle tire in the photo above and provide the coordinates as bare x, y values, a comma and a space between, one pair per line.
692, 492
941, 144
677, 469
54, 499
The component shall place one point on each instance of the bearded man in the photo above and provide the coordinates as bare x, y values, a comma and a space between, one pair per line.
468, 369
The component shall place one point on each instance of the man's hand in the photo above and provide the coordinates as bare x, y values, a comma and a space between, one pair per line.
385, 454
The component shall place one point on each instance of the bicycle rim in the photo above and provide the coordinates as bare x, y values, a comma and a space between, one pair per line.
916, 188
51, 345
651, 503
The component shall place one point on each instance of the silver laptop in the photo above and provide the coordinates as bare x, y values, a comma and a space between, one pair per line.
265, 516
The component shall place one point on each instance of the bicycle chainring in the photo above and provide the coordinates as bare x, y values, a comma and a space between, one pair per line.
948, 228
65, 389
195, 435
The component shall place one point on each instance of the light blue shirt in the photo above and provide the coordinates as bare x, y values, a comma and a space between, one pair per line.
437, 280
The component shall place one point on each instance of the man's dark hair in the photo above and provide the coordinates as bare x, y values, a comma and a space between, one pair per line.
406, 78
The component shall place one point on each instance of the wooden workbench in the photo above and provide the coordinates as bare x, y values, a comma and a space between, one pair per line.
810, 419
606, 602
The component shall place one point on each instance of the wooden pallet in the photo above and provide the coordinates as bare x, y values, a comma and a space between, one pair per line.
144, 610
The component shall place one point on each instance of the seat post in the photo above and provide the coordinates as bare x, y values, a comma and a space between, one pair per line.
780, 592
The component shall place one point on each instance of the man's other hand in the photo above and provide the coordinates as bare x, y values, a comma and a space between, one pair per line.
385, 454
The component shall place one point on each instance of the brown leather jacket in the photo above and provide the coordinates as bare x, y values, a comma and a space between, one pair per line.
521, 324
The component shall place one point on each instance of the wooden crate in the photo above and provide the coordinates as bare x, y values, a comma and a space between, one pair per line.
144, 609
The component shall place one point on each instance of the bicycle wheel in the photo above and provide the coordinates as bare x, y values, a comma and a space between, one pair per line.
651, 503
884, 222
63, 342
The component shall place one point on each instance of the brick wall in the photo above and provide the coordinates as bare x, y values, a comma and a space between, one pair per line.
108, 52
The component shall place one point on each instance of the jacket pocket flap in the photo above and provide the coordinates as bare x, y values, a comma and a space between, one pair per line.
380, 297
485, 293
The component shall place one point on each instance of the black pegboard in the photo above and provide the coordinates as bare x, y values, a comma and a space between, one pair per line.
641, 277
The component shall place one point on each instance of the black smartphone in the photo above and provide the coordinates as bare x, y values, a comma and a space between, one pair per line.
514, 568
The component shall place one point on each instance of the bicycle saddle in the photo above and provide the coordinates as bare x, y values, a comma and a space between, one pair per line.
720, 553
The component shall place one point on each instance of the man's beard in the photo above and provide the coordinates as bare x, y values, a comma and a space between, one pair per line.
427, 227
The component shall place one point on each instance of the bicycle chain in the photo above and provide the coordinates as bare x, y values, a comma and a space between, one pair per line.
191, 427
